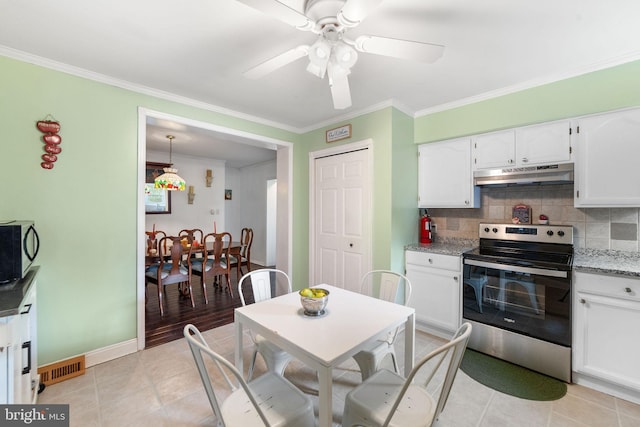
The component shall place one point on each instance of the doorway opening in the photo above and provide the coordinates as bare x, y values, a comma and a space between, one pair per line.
284, 159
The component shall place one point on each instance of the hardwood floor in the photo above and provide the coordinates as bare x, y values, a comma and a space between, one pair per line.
178, 311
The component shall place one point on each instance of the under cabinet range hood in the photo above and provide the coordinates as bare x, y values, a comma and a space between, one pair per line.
548, 174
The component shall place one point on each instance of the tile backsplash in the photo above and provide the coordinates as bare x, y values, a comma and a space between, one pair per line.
594, 228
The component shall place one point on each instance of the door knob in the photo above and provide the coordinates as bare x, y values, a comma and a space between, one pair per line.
350, 245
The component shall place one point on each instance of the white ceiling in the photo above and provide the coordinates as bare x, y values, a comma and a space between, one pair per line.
198, 50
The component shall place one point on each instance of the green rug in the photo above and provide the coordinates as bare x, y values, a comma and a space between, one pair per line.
511, 379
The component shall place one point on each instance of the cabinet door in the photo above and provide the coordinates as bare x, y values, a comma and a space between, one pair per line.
444, 174
494, 150
435, 295
547, 143
608, 150
606, 315
605, 344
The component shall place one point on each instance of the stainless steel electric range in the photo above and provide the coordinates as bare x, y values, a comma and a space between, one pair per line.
517, 294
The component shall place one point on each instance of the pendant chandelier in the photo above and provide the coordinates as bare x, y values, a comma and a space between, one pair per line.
170, 180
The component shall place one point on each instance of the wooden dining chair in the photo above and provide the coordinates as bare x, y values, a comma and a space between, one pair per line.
192, 235
208, 266
174, 267
153, 237
244, 255
216, 250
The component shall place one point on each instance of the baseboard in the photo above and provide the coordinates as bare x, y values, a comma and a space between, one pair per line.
111, 352
607, 387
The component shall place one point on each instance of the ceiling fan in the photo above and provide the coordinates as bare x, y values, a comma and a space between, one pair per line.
334, 53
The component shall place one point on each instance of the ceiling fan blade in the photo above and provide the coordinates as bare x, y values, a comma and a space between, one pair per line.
282, 12
354, 11
403, 49
276, 62
339, 84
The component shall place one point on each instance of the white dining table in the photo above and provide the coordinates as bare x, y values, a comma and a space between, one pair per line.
351, 323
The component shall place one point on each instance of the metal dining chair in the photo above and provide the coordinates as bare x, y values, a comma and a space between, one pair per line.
269, 400
264, 284
393, 287
388, 399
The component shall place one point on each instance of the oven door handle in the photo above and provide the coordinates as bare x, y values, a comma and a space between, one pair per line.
517, 269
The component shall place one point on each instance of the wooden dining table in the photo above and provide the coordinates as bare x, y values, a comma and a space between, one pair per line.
353, 322
234, 249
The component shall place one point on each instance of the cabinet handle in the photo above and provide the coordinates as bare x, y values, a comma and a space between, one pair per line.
466, 202
582, 301
627, 290
510, 161
27, 369
455, 278
525, 160
430, 261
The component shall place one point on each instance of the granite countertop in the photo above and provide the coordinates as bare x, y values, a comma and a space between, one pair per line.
607, 262
584, 260
12, 294
449, 246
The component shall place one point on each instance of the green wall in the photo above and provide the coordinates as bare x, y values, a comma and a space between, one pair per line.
378, 127
604, 90
85, 208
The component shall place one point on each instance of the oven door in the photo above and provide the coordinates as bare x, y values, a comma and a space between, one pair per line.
527, 300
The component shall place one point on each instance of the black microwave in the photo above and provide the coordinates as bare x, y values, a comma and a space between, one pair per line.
19, 245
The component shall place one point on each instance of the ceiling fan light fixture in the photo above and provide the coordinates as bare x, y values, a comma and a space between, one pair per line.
319, 51
344, 55
319, 54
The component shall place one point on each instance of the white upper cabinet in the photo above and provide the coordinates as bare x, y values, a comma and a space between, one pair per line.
494, 150
444, 175
547, 143
542, 144
608, 152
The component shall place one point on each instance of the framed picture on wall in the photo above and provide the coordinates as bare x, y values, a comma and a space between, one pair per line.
156, 200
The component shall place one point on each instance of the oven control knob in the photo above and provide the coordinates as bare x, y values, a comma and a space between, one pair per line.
495, 230
549, 233
560, 233
486, 229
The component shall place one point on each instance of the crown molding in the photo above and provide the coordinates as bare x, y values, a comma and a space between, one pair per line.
602, 65
145, 90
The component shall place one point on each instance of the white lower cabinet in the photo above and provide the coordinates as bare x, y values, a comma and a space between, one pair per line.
606, 348
18, 353
435, 282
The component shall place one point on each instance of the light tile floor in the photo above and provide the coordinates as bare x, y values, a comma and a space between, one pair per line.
160, 387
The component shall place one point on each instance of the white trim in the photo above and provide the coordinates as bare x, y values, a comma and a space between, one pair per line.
336, 150
134, 87
602, 65
263, 141
111, 352
91, 75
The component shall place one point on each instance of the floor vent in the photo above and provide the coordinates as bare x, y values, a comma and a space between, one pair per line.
61, 371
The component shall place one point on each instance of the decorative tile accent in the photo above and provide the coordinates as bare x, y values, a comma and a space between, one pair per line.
622, 231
